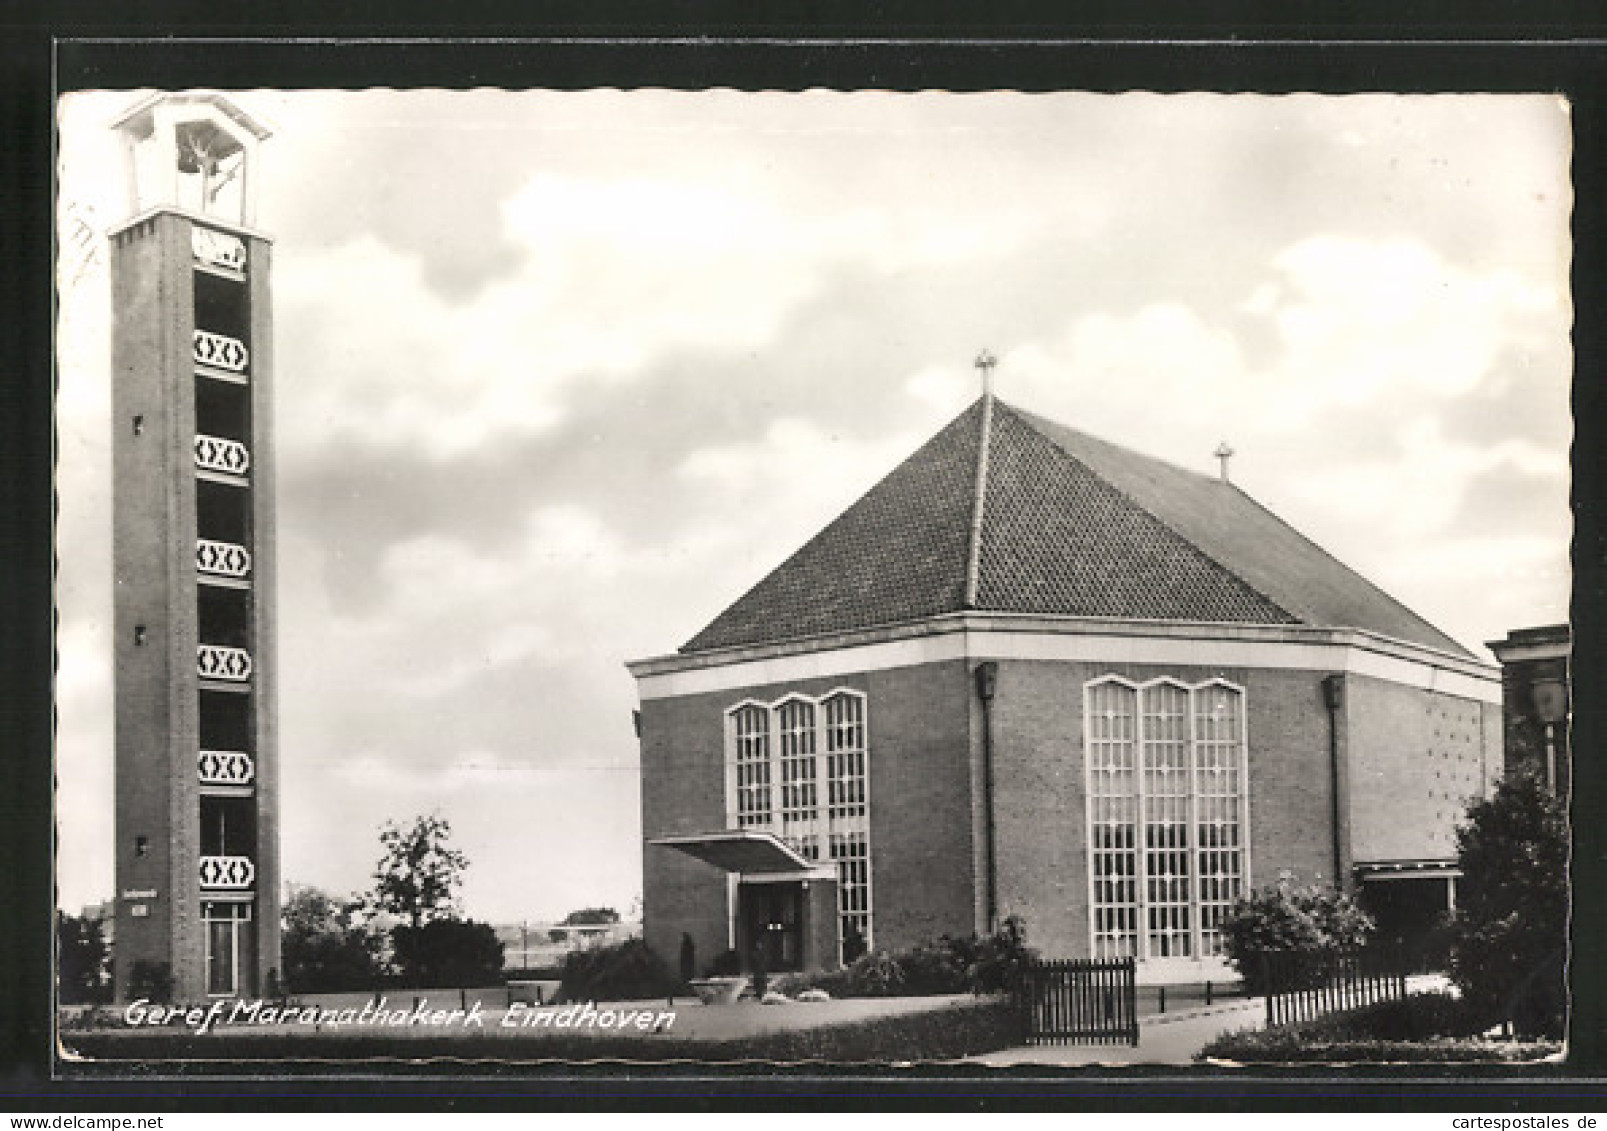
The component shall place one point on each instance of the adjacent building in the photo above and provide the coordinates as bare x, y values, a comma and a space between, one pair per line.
545, 944
193, 534
1032, 673
1536, 689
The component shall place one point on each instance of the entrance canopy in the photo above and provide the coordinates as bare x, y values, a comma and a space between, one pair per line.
1375, 871
748, 852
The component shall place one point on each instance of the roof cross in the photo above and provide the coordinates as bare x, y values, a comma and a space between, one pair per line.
1223, 453
985, 362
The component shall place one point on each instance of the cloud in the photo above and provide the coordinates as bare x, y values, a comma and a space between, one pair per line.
628, 269
1415, 494
761, 499
1359, 317
1353, 323
613, 275
798, 458
1160, 354
449, 612
468, 771
436, 382
1484, 583
84, 773
1164, 378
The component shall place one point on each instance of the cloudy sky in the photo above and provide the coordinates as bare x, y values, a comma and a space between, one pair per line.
560, 375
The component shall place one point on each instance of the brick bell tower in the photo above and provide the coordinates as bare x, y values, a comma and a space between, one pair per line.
193, 546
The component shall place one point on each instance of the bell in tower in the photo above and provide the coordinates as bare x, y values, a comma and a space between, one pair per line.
193, 152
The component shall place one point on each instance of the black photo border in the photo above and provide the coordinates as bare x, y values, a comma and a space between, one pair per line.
749, 48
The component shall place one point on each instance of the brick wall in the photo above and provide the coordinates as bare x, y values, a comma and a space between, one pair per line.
1040, 787
1416, 758
264, 641
154, 562
1291, 778
683, 792
1412, 756
1038, 804
155, 526
920, 803
919, 764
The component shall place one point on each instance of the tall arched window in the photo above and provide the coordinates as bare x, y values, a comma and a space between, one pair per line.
751, 727
1112, 756
1165, 771
1164, 742
1218, 807
798, 768
800, 801
849, 815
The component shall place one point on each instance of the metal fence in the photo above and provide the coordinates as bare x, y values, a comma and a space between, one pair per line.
1301, 986
1081, 1001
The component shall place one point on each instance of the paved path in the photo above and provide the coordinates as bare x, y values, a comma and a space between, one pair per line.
1171, 1038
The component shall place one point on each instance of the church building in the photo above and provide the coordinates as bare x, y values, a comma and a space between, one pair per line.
1031, 673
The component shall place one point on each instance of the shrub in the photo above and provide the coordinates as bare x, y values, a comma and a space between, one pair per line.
958, 1030
448, 952
854, 946
988, 964
90, 1017
1287, 1047
999, 960
1511, 922
794, 984
877, 974
935, 968
1416, 1017
326, 945
83, 960
1422, 1026
628, 971
1290, 919
151, 980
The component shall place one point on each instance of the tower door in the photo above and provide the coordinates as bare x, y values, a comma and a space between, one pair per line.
222, 957
228, 947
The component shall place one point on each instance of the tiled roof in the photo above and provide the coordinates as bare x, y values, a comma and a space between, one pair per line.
1071, 526
898, 554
